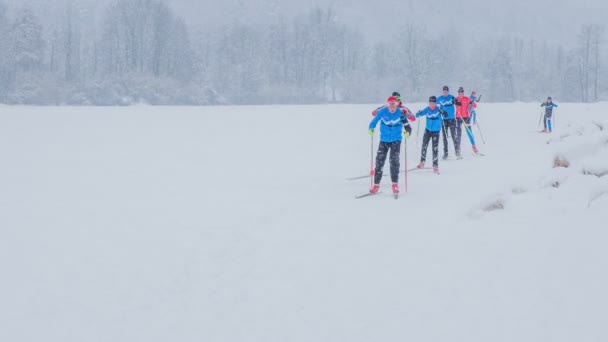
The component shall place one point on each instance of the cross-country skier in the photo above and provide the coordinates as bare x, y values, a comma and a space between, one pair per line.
391, 124
474, 99
549, 105
463, 118
446, 102
407, 114
434, 115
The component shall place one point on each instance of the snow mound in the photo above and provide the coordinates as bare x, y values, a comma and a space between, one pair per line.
574, 179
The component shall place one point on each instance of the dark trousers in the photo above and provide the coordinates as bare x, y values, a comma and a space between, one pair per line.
448, 126
434, 136
458, 140
383, 150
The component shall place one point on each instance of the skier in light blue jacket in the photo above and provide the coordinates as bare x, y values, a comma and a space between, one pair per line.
391, 126
434, 117
446, 102
549, 105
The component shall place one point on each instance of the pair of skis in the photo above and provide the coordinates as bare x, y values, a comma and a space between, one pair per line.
372, 172
369, 194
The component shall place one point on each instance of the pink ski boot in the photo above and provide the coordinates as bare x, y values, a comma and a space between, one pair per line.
375, 188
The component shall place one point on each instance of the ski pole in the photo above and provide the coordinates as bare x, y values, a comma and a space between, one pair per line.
445, 132
480, 134
540, 118
417, 133
371, 163
405, 161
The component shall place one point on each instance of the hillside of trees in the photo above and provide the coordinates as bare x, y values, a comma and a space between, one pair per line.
142, 52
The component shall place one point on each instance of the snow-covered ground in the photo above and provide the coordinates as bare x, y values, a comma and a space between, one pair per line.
237, 224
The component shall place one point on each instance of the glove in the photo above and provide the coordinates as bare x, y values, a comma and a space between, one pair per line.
371, 132
408, 130
406, 133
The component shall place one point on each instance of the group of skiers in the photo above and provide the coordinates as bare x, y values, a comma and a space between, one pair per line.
444, 115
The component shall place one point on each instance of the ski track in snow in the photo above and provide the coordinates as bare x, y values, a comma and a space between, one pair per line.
237, 224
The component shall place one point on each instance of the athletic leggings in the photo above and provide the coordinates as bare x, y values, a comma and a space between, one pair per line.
449, 127
383, 150
434, 136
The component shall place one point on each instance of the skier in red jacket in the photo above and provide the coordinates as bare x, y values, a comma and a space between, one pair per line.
463, 118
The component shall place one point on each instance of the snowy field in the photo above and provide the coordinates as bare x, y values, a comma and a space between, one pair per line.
237, 224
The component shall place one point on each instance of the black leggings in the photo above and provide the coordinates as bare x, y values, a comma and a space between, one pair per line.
383, 149
434, 136
448, 124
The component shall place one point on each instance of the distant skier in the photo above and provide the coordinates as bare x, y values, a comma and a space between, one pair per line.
446, 102
434, 117
391, 119
463, 118
474, 99
549, 105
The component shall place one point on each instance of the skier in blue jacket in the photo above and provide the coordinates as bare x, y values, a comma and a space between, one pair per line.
407, 113
474, 99
434, 122
446, 102
391, 120
549, 105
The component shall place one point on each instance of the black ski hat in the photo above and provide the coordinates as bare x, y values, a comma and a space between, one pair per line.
432, 99
549, 98
396, 94
446, 88
461, 90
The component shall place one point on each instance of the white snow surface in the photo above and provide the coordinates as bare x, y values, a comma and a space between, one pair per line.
237, 224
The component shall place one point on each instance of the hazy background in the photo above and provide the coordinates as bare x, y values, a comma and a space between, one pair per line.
108, 52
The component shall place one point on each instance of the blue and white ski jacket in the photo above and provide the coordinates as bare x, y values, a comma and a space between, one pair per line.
391, 124
434, 118
548, 107
447, 103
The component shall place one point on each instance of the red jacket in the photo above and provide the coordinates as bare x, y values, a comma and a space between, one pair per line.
462, 106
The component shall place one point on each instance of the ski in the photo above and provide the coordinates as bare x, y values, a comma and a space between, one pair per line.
420, 168
396, 196
423, 168
367, 176
368, 194
358, 177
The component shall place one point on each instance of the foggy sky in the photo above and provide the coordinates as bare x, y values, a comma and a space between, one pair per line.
551, 20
